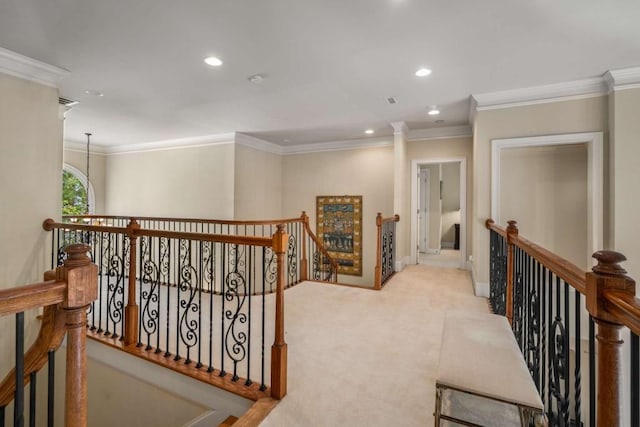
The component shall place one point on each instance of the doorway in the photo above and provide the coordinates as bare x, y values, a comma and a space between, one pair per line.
438, 203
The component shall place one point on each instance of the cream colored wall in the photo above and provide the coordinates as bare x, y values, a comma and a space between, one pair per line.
193, 182
626, 176
580, 115
367, 172
431, 149
545, 188
97, 166
450, 201
30, 185
258, 184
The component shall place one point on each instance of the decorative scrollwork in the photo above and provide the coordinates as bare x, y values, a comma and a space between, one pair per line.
235, 336
533, 337
292, 258
498, 276
518, 315
114, 267
209, 260
388, 250
559, 369
150, 295
188, 326
270, 269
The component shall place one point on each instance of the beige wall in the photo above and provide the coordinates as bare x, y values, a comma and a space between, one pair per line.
450, 201
30, 185
545, 188
581, 115
189, 182
97, 166
367, 172
626, 177
432, 149
258, 184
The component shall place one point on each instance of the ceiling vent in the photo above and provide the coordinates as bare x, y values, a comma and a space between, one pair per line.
392, 100
66, 102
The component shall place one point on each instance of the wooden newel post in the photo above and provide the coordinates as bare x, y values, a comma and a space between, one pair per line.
304, 269
512, 233
82, 289
279, 347
131, 311
378, 270
608, 275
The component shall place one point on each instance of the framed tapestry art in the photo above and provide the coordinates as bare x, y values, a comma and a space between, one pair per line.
339, 227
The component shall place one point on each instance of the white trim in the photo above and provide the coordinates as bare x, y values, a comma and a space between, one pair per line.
257, 143
399, 128
440, 133
463, 205
81, 147
481, 289
21, 66
173, 144
447, 245
82, 177
595, 177
624, 78
541, 94
349, 144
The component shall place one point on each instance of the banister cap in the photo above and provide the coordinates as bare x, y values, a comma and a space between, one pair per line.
609, 263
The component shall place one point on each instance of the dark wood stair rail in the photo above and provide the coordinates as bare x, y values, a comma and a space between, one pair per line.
65, 296
610, 300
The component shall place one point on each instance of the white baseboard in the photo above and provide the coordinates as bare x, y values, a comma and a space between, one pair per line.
431, 251
402, 263
481, 289
447, 245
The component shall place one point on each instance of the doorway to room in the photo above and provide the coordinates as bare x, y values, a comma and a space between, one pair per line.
438, 206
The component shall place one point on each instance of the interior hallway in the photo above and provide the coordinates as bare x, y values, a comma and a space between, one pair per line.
364, 358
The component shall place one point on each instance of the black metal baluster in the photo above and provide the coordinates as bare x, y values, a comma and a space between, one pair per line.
551, 350
126, 250
635, 380
264, 278
577, 373
592, 373
51, 381
543, 331
160, 285
213, 281
199, 285
18, 405
143, 243
222, 294
32, 399
250, 270
178, 288
167, 353
567, 359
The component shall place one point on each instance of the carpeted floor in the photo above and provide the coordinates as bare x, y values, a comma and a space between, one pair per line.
365, 358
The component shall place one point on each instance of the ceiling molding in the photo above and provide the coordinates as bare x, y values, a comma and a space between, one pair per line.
440, 133
540, 94
258, 144
349, 144
81, 147
625, 78
21, 66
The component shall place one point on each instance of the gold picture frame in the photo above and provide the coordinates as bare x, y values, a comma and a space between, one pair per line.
339, 227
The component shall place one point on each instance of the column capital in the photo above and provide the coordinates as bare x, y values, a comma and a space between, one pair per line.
399, 128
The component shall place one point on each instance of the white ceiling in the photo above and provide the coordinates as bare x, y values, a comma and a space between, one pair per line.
328, 65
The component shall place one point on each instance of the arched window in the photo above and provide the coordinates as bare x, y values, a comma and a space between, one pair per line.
74, 192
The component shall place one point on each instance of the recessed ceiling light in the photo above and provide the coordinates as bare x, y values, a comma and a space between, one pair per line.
213, 61
369, 131
434, 112
93, 92
422, 72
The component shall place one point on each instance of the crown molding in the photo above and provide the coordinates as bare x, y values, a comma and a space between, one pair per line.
174, 144
348, 144
26, 68
540, 94
258, 144
440, 133
624, 78
81, 147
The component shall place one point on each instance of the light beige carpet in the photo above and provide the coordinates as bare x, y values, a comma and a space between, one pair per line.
365, 358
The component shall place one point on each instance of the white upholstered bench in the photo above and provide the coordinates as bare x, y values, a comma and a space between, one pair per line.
482, 377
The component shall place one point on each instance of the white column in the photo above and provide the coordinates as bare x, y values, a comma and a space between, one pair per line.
400, 192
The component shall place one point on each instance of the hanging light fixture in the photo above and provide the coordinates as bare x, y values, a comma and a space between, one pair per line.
88, 144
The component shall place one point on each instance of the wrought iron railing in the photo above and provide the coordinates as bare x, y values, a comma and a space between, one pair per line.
386, 249
555, 309
201, 303
64, 297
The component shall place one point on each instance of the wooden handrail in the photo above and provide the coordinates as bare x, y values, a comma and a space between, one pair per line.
561, 267
32, 296
625, 308
200, 220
